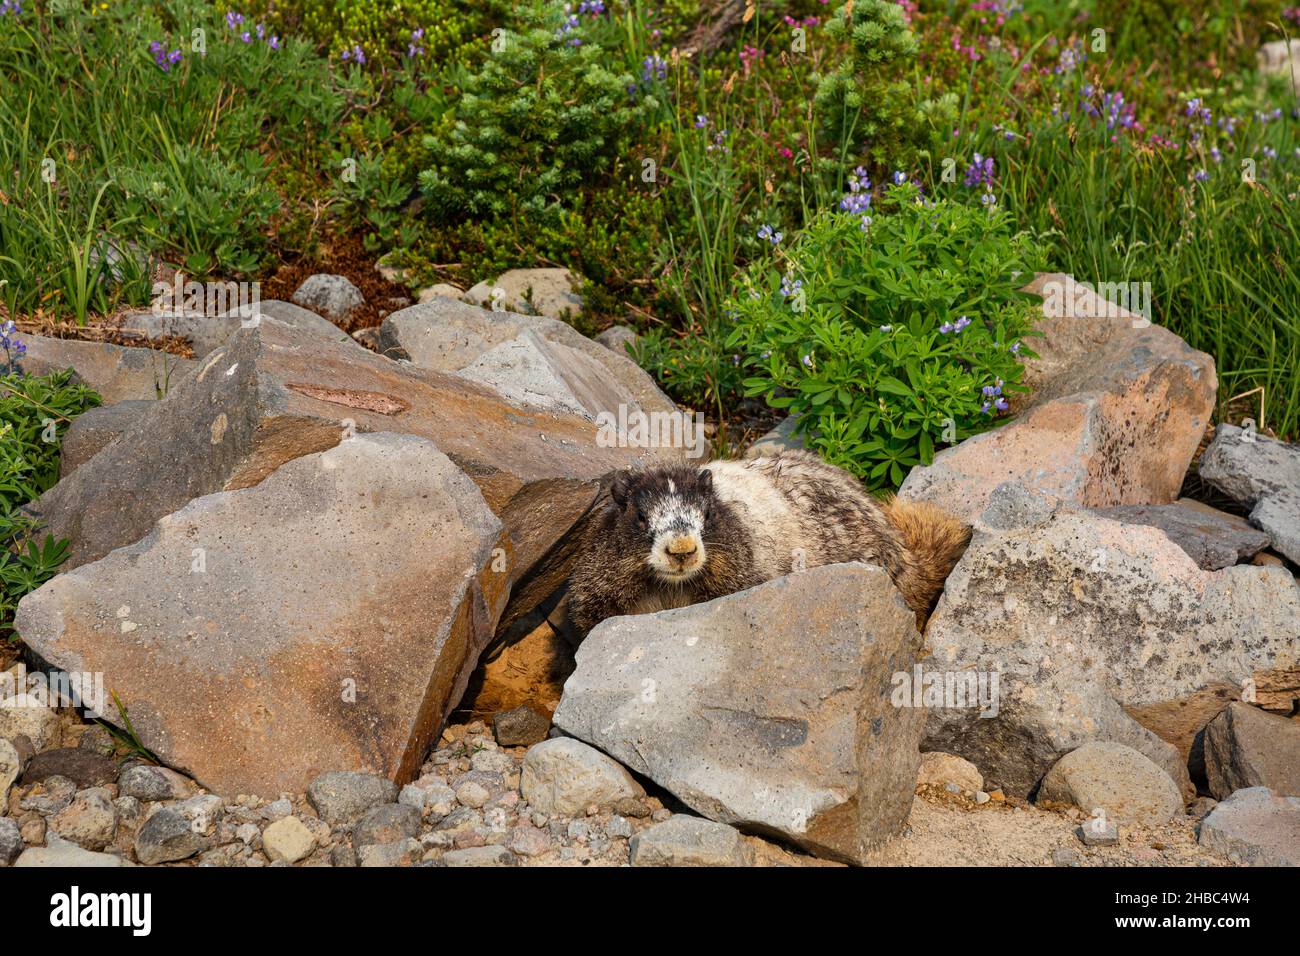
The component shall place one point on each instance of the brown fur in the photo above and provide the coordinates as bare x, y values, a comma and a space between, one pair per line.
762, 519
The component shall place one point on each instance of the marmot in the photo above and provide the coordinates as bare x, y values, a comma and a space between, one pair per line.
677, 535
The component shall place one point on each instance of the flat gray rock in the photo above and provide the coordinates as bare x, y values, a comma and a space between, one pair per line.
1255, 826
768, 709
94, 429
449, 336
115, 372
63, 853
1211, 538
684, 840
1260, 473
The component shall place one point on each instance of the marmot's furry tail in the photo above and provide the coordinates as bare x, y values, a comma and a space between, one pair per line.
933, 542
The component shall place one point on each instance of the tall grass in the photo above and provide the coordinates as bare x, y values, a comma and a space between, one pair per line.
1220, 247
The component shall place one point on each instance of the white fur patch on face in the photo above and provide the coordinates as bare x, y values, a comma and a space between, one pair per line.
678, 551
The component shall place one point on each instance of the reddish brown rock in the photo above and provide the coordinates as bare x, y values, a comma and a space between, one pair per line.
326, 619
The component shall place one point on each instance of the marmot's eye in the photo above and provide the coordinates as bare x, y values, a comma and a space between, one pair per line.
640, 517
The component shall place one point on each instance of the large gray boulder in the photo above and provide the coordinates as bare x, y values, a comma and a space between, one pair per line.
1089, 623
450, 336
1247, 747
770, 709
274, 393
1262, 474
1116, 411
328, 617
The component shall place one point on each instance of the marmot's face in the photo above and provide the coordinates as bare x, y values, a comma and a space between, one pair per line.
665, 511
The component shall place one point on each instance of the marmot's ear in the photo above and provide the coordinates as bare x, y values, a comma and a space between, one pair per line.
619, 487
706, 481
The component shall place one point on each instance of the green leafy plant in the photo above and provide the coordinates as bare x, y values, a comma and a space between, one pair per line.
34, 412
890, 333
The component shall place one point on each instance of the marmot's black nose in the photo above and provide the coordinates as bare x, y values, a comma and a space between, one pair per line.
681, 550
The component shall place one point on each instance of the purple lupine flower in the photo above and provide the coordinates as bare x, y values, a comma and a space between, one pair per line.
1215, 154
899, 178
594, 7
261, 32
980, 172
701, 121
16, 8
789, 288
653, 67
1196, 111
960, 324
946, 328
807, 360
415, 48
1200, 176
233, 19
1269, 152
1015, 348
246, 37
1001, 404
274, 42
767, 232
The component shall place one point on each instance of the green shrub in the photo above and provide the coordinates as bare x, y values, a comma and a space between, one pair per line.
866, 104
34, 413
890, 333
545, 115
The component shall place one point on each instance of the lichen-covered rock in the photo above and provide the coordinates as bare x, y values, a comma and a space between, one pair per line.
1086, 623
769, 709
